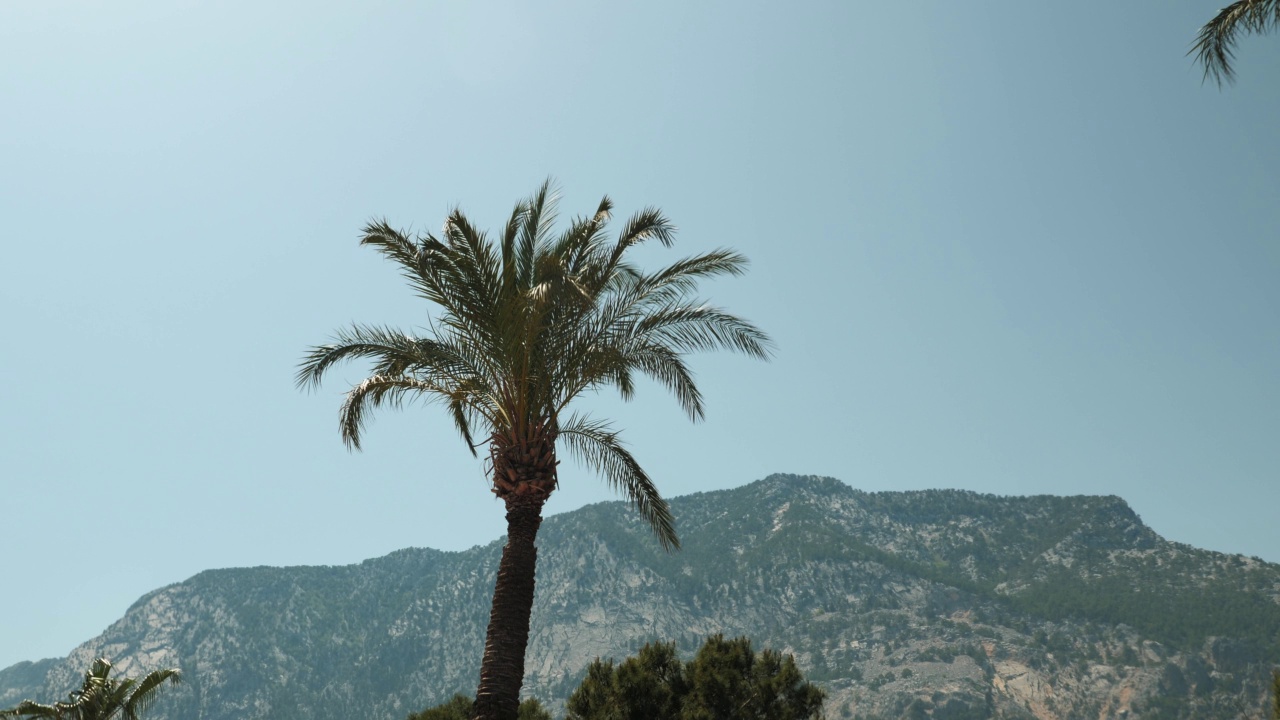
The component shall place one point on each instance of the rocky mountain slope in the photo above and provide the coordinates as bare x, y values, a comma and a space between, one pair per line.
942, 604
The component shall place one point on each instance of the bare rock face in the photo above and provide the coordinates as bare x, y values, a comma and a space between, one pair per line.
941, 604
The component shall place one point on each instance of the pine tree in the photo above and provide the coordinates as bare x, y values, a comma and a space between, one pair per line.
726, 680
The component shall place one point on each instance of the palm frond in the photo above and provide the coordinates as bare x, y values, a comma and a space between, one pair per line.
459, 275
394, 353
667, 367
97, 673
703, 327
621, 379
146, 692
458, 412
381, 390
392, 244
604, 211
510, 234
28, 708
535, 228
682, 276
1214, 44
475, 259
646, 224
584, 238
407, 253
596, 444
624, 326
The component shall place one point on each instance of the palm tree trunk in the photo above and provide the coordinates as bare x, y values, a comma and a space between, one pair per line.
502, 670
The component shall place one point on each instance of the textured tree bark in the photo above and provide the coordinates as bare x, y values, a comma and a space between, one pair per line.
502, 670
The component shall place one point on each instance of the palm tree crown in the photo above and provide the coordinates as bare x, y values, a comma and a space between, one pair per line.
527, 325
1214, 43
101, 698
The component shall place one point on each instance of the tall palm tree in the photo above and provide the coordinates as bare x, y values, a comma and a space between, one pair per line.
102, 698
523, 327
1214, 43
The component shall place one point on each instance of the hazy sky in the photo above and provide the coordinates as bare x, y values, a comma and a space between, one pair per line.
1014, 247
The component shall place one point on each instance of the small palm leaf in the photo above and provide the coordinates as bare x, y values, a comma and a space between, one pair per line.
1214, 43
101, 698
146, 692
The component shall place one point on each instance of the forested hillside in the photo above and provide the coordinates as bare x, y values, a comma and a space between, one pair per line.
941, 604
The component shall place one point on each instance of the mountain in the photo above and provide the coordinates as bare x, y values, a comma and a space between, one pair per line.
939, 603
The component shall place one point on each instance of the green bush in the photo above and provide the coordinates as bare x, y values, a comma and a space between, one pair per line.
726, 680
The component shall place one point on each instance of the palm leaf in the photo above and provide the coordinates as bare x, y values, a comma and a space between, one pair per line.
383, 390
146, 692
28, 708
646, 224
702, 327
1214, 44
667, 367
535, 227
597, 445
396, 353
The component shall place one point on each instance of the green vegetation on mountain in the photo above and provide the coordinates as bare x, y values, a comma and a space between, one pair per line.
522, 328
940, 603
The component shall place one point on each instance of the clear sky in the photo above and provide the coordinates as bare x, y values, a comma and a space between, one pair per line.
1013, 247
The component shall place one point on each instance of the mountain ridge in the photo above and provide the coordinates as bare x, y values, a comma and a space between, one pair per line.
997, 606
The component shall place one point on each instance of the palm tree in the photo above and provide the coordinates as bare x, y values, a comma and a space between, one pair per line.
1275, 694
102, 698
1214, 43
524, 327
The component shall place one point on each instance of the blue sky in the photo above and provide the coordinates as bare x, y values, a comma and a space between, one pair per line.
1014, 248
